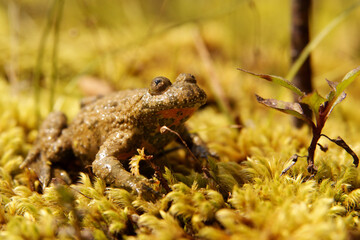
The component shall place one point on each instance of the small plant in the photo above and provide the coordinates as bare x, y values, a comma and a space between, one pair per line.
320, 107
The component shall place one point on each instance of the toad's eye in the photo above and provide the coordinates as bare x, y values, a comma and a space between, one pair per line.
159, 85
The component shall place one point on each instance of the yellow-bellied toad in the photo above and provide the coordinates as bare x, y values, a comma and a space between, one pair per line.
110, 129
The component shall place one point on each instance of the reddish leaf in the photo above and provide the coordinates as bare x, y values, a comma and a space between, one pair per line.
293, 109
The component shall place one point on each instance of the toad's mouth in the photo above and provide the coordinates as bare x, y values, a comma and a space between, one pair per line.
179, 115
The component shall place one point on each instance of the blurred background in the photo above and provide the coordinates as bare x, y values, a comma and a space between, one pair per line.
70, 49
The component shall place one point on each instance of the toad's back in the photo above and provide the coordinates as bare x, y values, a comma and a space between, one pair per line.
99, 118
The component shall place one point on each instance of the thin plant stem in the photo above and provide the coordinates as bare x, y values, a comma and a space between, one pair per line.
54, 70
14, 28
39, 60
311, 150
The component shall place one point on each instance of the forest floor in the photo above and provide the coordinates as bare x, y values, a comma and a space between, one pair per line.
98, 49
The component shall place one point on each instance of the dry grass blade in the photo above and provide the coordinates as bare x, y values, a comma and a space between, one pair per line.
215, 85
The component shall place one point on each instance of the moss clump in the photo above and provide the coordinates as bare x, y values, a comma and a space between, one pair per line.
266, 206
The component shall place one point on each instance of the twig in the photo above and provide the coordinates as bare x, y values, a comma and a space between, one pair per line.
294, 159
163, 129
340, 142
205, 168
299, 39
322, 148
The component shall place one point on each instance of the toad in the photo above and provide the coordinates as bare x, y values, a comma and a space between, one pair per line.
108, 130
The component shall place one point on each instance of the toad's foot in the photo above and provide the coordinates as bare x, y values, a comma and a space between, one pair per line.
111, 170
49, 147
36, 162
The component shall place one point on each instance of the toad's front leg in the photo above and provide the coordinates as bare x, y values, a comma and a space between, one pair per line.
108, 167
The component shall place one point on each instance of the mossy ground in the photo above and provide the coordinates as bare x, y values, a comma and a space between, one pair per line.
125, 45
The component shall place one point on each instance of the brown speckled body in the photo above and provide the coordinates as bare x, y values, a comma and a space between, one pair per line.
110, 129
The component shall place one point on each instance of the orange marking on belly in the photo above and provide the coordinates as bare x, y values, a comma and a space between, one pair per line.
177, 114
